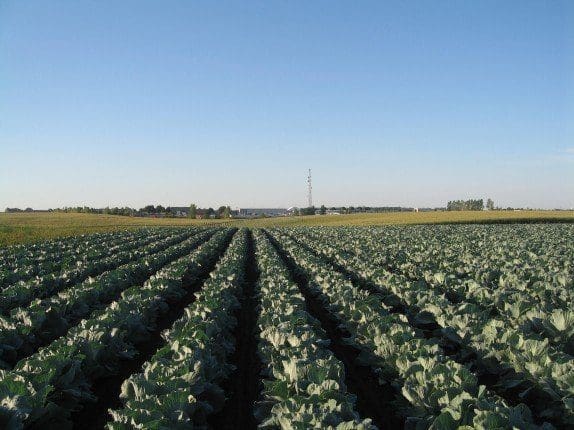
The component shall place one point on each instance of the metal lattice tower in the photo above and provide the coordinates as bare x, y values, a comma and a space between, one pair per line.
309, 190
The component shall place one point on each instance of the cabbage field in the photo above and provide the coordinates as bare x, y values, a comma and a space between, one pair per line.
417, 327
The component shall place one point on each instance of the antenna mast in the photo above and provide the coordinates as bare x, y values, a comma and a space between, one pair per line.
309, 190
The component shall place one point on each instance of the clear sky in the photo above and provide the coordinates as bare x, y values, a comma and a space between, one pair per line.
390, 103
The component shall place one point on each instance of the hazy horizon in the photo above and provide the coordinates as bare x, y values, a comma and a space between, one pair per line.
139, 102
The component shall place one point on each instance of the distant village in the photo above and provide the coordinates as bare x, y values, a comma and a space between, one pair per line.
192, 211
195, 212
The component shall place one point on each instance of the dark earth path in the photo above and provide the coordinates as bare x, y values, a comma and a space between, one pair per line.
374, 401
243, 386
107, 390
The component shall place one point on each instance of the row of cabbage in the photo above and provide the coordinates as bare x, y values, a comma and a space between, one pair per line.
11, 256
536, 258
45, 388
438, 392
42, 321
72, 254
533, 254
303, 384
525, 276
23, 292
180, 386
520, 363
518, 358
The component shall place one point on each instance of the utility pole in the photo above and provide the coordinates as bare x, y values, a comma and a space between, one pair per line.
309, 190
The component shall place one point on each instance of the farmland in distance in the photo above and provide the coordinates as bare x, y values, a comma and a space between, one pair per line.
228, 326
18, 228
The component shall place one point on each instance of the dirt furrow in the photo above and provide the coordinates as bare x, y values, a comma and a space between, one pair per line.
462, 354
243, 388
374, 401
107, 390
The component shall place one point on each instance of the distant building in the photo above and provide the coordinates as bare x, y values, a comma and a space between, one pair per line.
180, 212
259, 212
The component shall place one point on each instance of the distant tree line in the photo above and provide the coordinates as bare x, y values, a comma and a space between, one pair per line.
370, 209
356, 209
192, 212
125, 211
465, 205
307, 211
9, 210
225, 211
222, 212
149, 210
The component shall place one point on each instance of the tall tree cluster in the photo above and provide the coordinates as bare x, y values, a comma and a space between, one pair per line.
465, 205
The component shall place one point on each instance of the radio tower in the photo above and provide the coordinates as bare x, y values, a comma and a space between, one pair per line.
309, 190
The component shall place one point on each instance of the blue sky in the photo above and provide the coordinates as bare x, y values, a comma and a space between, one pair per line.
390, 103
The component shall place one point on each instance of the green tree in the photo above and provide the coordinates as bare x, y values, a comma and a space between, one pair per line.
192, 211
465, 205
226, 212
220, 211
490, 204
323, 210
308, 211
